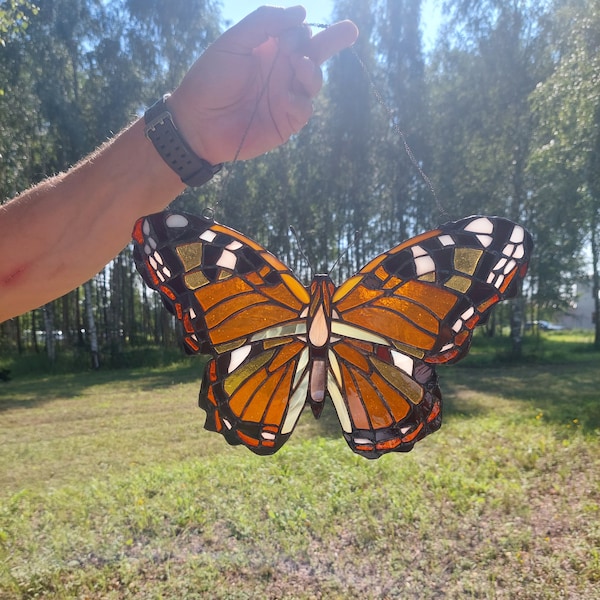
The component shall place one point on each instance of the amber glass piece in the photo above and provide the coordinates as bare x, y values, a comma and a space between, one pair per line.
256, 408
467, 259
247, 375
360, 419
379, 415
407, 386
459, 283
190, 255
352, 356
219, 291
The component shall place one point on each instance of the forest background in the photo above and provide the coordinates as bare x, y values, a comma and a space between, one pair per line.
502, 114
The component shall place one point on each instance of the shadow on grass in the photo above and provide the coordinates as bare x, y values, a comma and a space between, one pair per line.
36, 389
560, 393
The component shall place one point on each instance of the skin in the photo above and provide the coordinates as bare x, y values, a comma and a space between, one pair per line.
58, 234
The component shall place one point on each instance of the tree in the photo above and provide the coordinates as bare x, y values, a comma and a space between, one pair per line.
567, 153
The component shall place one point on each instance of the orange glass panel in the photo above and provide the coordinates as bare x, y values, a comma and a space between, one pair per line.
242, 395
378, 413
352, 356
356, 408
359, 295
211, 295
255, 409
279, 401
388, 444
438, 300
397, 404
507, 280
390, 326
409, 310
488, 303
231, 306
411, 436
249, 321
284, 355
249, 441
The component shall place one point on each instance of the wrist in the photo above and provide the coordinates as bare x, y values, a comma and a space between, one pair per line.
169, 143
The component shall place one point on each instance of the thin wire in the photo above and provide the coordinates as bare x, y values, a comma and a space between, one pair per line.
209, 211
395, 126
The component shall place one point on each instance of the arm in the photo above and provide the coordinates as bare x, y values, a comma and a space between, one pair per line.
60, 233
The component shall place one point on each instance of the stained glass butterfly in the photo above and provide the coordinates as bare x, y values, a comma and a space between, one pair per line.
371, 345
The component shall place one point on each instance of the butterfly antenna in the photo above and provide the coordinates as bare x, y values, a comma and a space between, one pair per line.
300, 248
345, 252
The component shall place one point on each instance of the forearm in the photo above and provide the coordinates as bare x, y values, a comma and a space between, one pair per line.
59, 233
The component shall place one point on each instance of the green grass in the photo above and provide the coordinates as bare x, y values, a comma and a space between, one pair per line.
110, 488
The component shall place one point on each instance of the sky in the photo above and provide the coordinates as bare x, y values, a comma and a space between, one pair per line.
319, 11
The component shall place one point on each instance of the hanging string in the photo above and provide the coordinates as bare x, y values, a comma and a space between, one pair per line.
390, 113
209, 211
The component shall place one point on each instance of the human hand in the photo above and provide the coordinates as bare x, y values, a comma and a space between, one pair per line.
255, 84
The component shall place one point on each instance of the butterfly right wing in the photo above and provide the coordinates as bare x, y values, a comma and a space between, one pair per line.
411, 308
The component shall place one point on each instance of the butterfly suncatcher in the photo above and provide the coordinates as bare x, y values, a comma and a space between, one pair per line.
370, 345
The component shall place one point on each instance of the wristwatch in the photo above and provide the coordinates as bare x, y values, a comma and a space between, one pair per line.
174, 150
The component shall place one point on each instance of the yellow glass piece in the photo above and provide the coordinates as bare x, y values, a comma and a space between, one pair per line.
357, 333
243, 372
221, 348
429, 277
346, 287
410, 350
405, 385
458, 283
338, 401
466, 259
334, 366
294, 328
224, 274
273, 343
195, 280
190, 255
296, 288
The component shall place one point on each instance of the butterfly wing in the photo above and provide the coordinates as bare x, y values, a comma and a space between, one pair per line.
240, 304
411, 308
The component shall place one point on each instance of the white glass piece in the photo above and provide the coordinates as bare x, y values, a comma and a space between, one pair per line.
175, 221
517, 235
334, 367
147, 249
508, 249
457, 326
152, 243
167, 272
510, 266
481, 225
485, 240
237, 357
146, 227
519, 252
153, 263
403, 362
446, 240
208, 235
424, 264
418, 251
227, 260
267, 435
447, 347
235, 245
158, 258
468, 313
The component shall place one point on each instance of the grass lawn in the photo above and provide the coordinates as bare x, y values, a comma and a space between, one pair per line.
110, 488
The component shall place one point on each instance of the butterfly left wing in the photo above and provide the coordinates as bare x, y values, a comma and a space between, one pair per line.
240, 304
411, 308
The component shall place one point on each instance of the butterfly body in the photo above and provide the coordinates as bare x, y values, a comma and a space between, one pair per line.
370, 345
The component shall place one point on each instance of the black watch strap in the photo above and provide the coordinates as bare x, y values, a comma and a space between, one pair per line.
162, 132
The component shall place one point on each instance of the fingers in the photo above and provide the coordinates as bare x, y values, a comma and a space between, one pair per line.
332, 40
257, 27
308, 78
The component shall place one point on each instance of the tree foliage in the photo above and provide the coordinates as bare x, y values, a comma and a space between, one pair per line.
503, 115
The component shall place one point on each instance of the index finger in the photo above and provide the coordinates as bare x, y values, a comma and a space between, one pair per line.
332, 40
260, 25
